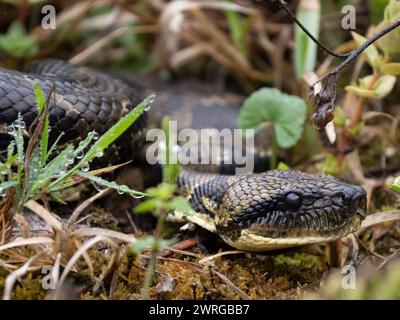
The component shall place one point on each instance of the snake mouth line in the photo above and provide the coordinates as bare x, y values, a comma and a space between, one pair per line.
347, 227
279, 239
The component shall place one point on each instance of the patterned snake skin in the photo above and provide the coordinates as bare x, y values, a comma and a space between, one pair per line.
255, 212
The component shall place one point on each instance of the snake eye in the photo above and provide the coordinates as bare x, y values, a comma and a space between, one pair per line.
293, 201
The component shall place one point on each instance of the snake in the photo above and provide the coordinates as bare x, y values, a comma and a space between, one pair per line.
259, 211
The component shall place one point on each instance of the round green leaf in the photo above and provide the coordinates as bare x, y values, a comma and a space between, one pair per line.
286, 113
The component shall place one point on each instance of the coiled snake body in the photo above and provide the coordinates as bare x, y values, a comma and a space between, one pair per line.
255, 212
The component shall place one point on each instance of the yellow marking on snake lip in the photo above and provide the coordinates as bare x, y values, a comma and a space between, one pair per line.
198, 218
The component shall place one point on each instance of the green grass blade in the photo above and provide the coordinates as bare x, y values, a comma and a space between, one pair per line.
306, 49
54, 168
35, 167
54, 145
111, 184
116, 130
109, 137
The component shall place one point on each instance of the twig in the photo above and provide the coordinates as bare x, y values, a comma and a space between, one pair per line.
220, 254
356, 52
199, 268
372, 253
284, 6
70, 264
43, 213
84, 205
13, 276
380, 218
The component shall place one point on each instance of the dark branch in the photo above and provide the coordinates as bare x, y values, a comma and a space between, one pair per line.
325, 99
284, 6
356, 52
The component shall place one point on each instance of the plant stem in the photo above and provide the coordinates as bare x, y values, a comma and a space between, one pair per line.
274, 154
153, 256
149, 274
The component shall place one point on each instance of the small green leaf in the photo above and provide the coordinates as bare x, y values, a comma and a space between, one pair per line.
164, 191
392, 10
282, 166
340, 120
41, 102
389, 43
40, 99
330, 165
395, 185
384, 85
17, 43
150, 242
180, 204
391, 69
364, 93
149, 205
380, 88
373, 56
286, 113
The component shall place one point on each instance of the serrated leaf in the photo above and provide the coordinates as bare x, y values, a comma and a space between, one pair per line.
372, 54
286, 113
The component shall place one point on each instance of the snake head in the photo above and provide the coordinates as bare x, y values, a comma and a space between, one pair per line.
279, 209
